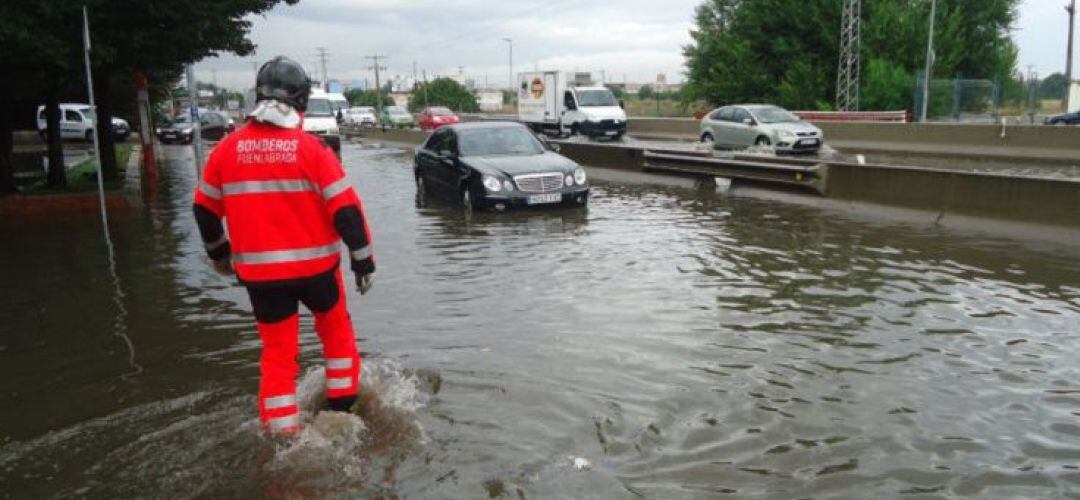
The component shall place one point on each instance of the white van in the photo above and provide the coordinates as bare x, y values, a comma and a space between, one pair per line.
320, 119
339, 103
569, 103
77, 122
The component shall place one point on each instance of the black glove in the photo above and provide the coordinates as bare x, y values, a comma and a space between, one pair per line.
364, 282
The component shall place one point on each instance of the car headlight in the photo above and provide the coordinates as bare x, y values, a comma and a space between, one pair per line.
579, 176
786, 134
492, 184
507, 185
186, 131
157, 130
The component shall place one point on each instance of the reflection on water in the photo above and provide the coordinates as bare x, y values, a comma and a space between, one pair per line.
682, 344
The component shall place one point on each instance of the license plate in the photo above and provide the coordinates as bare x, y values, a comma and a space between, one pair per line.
809, 142
611, 132
544, 198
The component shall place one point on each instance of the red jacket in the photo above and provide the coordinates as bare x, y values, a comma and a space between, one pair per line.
287, 205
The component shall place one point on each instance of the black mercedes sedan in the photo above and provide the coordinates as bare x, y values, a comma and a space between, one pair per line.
497, 166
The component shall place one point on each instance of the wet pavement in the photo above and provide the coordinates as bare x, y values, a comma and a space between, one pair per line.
668, 342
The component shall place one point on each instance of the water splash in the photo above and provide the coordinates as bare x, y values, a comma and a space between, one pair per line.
336, 452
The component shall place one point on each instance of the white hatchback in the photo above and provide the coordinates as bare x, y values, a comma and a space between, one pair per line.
77, 122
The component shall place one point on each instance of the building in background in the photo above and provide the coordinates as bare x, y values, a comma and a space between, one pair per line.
489, 100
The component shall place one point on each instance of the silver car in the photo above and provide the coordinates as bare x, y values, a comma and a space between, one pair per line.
748, 125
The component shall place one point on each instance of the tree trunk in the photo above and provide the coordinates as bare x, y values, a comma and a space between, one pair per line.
106, 137
57, 175
7, 139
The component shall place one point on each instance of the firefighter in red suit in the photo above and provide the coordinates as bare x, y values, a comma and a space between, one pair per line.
286, 202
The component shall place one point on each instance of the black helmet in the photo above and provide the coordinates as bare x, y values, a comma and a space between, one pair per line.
284, 80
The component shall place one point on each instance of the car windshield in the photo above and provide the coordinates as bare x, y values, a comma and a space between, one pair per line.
596, 98
396, 110
362, 110
441, 112
498, 142
181, 121
773, 114
319, 107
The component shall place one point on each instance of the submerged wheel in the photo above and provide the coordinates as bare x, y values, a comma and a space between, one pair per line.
762, 141
707, 138
466, 199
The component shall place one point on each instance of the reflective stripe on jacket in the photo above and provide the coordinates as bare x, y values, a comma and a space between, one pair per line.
278, 190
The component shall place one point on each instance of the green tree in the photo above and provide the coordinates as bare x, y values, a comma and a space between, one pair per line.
756, 50
443, 92
357, 97
42, 43
645, 92
1052, 87
887, 86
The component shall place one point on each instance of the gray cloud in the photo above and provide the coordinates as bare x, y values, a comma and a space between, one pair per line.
635, 38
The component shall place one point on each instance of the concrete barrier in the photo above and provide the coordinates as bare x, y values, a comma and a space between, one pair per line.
1024, 144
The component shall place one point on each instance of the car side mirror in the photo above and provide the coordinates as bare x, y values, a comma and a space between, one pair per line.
571, 106
555, 148
446, 154
748, 122
622, 104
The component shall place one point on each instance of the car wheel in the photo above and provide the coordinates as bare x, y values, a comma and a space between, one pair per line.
762, 141
707, 138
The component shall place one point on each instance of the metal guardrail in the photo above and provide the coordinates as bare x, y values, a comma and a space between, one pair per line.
800, 173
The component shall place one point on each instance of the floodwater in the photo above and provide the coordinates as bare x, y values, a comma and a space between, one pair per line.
669, 342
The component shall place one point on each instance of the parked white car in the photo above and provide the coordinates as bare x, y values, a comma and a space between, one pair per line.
77, 122
360, 116
746, 125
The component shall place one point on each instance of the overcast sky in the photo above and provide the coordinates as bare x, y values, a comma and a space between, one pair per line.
632, 39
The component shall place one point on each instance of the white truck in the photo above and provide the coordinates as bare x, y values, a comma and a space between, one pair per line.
568, 103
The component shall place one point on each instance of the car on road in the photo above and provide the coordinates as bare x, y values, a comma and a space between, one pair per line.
745, 125
77, 122
498, 166
434, 117
360, 116
397, 117
319, 119
1064, 119
212, 127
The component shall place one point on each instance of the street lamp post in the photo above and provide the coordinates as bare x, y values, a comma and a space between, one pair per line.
1071, 9
510, 74
929, 63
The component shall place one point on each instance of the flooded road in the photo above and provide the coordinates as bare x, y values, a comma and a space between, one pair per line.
668, 342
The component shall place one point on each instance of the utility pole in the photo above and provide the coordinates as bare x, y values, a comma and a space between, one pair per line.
378, 86
928, 74
323, 54
847, 76
510, 74
1071, 9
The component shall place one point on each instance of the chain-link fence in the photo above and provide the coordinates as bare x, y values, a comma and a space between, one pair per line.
1027, 100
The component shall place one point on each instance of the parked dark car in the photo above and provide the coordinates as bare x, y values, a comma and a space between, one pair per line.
1064, 119
213, 127
498, 166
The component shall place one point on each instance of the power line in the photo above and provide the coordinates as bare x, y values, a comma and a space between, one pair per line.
378, 86
847, 75
323, 53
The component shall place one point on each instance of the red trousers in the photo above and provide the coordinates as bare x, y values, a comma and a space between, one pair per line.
277, 314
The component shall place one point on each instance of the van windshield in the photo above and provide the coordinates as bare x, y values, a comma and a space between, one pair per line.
319, 107
498, 142
596, 98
